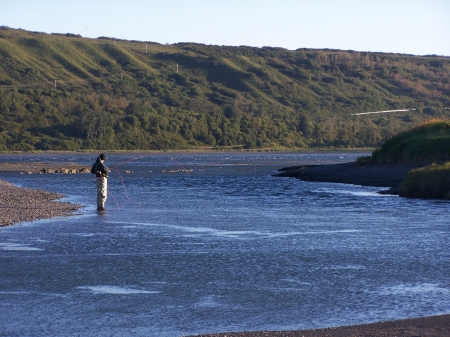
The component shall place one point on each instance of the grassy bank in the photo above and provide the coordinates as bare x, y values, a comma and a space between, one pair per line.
431, 182
429, 142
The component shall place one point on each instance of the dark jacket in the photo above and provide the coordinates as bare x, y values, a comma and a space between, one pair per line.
99, 167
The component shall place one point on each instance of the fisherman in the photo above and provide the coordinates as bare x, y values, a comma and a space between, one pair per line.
101, 172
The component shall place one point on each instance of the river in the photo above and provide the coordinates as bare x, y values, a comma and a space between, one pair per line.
205, 243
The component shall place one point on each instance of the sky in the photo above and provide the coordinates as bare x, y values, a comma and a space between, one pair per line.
419, 27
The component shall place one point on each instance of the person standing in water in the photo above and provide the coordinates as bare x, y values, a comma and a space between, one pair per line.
101, 173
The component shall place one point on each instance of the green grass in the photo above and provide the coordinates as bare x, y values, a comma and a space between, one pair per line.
365, 160
431, 182
428, 142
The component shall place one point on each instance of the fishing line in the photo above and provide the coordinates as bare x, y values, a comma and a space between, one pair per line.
125, 189
184, 170
132, 159
117, 204
123, 184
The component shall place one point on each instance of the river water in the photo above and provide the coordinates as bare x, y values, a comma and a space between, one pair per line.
216, 243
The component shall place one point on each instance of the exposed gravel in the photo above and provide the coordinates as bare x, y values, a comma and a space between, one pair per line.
434, 326
25, 204
42, 168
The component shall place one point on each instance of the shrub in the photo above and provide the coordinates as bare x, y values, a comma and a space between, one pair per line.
428, 182
427, 142
365, 160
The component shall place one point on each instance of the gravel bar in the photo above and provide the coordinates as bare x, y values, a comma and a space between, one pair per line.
25, 205
433, 326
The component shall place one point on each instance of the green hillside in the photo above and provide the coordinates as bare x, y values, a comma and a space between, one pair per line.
65, 92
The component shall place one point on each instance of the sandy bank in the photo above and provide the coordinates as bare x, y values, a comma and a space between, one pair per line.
433, 326
25, 204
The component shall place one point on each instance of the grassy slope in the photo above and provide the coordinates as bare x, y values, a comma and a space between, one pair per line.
261, 85
431, 182
297, 79
426, 143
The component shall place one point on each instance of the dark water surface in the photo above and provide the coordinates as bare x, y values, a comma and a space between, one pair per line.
225, 247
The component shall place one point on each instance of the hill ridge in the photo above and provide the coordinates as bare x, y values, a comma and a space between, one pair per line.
66, 92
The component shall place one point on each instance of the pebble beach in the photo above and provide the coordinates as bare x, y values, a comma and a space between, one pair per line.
25, 205
433, 326
388, 176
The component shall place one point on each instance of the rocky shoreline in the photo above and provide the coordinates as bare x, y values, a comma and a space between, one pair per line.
25, 204
43, 168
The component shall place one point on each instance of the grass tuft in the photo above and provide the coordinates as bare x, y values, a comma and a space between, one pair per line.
428, 142
365, 160
432, 182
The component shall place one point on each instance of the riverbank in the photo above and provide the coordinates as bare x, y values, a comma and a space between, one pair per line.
389, 176
40, 168
25, 204
433, 326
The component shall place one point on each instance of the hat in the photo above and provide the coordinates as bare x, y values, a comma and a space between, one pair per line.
102, 156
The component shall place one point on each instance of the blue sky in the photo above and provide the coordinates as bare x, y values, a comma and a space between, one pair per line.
417, 27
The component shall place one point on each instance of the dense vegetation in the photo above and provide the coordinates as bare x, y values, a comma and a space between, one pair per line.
428, 143
428, 182
65, 92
